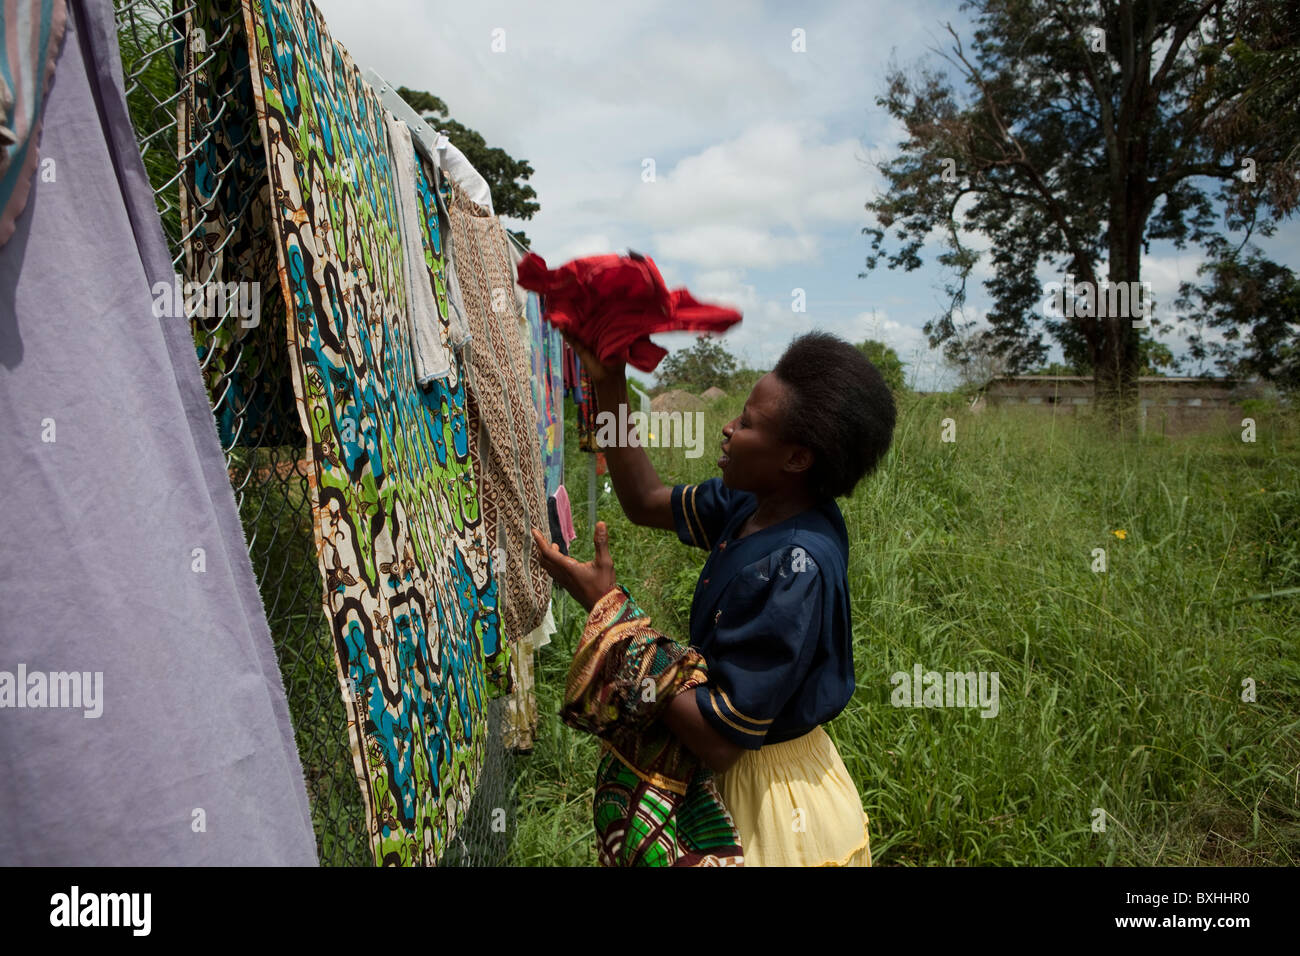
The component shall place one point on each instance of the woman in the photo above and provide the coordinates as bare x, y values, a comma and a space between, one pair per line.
770, 614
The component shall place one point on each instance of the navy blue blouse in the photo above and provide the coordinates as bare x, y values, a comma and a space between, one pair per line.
770, 615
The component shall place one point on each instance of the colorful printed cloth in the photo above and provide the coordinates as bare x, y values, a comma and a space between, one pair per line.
546, 347
31, 33
225, 212
553, 450
577, 386
514, 500
548, 390
655, 804
613, 303
409, 591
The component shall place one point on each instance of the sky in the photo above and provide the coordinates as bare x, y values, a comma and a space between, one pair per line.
733, 142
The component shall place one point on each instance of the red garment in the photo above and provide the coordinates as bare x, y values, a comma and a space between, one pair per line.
612, 303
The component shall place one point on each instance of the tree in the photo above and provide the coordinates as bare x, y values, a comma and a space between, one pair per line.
973, 354
1154, 358
1092, 129
1255, 84
704, 365
1249, 294
886, 361
504, 173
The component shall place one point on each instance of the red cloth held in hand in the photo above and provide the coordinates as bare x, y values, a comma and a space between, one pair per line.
611, 304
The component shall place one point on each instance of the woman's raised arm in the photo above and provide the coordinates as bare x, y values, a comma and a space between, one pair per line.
645, 499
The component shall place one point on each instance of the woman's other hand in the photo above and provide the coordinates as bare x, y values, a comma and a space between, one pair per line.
588, 582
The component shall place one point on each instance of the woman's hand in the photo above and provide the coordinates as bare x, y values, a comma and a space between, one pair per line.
599, 373
589, 582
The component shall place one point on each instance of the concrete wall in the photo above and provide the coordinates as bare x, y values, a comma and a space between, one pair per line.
1171, 406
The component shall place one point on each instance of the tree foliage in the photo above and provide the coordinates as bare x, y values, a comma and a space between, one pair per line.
972, 353
886, 361
1084, 130
704, 365
1256, 303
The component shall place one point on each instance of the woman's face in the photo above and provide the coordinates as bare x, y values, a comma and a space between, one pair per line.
754, 458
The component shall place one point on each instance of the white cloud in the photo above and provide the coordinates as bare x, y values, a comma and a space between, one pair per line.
718, 246
773, 173
592, 244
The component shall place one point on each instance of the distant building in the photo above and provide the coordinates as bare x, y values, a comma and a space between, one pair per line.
1171, 406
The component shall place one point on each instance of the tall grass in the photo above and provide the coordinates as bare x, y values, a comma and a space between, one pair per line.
1121, 693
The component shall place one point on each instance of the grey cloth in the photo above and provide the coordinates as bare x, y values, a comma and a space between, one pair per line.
192, 759
429, 353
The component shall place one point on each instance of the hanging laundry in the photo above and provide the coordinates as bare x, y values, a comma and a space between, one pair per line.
500, 398
577, 386
586, 411
564, 514
408, 589
613, 303
655, 804
458, 318
513, 497
517, 252
545, 343
455, 164
423, 138
522, 715
428, 342
164, 737
459, 334
553, 347
548, 346
31, 34
521, 705
555, 526
225, 213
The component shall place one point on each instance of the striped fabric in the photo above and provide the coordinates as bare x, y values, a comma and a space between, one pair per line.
31, 32
694, 525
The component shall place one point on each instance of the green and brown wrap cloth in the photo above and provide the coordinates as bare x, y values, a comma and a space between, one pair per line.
655, 803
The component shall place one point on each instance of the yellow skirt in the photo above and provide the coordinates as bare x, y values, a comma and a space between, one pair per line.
794, 804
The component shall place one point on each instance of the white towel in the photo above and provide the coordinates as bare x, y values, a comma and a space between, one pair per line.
462, 171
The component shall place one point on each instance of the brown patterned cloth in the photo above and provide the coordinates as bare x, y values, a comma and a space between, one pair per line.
502, 416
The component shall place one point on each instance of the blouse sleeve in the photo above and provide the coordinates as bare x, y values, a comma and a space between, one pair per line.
700, 512
757, 662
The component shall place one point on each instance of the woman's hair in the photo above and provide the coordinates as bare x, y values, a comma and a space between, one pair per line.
839, 407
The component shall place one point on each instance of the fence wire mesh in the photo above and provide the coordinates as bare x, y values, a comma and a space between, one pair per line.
269, 472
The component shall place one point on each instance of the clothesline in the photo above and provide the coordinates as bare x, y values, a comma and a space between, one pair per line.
430, 405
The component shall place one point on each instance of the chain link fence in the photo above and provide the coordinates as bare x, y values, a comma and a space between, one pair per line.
267, 470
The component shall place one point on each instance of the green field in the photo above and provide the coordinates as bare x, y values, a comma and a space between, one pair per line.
1120, 691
